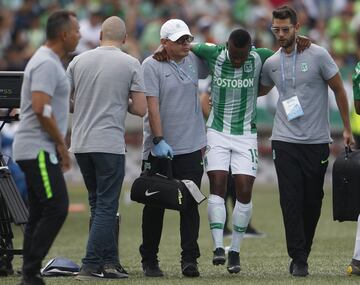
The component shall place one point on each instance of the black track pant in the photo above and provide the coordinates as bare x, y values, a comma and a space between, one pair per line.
185, 166
300, 170
48, 207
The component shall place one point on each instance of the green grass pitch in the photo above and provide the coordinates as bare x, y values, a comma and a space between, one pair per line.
263, 261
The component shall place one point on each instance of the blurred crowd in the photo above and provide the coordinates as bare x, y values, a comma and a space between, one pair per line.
334, 24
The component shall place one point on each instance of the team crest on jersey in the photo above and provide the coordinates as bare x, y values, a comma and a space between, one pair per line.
248, 67
191, 68
304, 67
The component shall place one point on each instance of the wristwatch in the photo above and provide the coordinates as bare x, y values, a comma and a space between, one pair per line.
156, 140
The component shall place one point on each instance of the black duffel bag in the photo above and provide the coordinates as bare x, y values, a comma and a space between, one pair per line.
159, 190
346, 186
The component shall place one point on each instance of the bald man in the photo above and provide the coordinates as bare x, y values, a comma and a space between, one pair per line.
106, 84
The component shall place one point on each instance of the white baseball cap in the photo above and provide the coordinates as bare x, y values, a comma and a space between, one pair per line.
174, 29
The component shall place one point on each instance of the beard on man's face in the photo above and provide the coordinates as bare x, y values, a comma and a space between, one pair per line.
285, 43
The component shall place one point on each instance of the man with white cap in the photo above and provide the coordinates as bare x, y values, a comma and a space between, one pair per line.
173, 128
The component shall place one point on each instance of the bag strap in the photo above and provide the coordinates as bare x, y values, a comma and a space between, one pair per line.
169, 169
347, 151
155, 165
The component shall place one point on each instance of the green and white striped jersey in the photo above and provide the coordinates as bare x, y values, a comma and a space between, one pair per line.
233, 90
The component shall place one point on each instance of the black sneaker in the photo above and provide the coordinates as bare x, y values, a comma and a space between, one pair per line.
298, 269
190, 269
114, 271
233, 262
32, 280
152, 269
353, 268
87, 274
219, 256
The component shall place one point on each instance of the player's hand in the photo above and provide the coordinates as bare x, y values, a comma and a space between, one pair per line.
65, 161
160, 54
303, 43
163, 150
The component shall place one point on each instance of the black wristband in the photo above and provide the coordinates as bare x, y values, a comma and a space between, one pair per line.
156, 140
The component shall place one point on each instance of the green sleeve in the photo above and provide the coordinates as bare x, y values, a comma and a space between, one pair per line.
264, 53
356, 82
205, 51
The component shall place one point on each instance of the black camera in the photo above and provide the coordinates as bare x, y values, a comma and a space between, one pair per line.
10, 88
12, 207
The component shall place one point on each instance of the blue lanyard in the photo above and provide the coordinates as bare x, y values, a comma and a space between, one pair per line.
182, 72
283, 69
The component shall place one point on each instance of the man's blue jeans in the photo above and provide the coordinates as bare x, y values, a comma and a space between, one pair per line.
103, 176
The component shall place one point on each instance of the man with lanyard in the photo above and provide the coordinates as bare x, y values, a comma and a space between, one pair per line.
301, 131
231, 136
174, 127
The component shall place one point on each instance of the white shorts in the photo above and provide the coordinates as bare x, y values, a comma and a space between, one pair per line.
224, 150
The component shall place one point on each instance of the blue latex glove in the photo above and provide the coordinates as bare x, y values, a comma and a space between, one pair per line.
162, 150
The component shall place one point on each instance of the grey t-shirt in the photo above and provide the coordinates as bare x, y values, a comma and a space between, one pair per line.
102, 79
44, 72
180, 111
312, 70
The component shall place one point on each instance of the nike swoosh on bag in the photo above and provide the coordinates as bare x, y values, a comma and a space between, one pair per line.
147, 193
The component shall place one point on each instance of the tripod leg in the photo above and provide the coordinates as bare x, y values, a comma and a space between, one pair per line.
6, 244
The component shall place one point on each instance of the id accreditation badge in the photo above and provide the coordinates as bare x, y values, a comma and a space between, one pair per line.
292, 108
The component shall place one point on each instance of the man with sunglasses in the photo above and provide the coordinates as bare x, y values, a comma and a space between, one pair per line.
231, 134
173, 128
301, 132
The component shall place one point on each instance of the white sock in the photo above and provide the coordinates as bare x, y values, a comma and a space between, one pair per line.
240, 220
216, 216
357, 241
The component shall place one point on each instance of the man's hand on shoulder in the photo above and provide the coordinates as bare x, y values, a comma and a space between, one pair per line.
303, 43
160, 54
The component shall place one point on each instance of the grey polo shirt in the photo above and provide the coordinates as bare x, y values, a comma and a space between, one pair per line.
45, 73
313, 68
176, 86
102, 79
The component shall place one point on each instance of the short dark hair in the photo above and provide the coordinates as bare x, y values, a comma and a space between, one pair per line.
285, 12
57, 22
240, 38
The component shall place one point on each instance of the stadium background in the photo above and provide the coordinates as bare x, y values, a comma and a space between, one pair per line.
332, 24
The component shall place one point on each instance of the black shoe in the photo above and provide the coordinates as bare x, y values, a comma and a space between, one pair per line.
114, 271
233, 262
354, 267
219, 256
32, 280
152, 269
190, 269
87, 274
298, 269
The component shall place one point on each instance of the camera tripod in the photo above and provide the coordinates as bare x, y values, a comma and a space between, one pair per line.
12, 210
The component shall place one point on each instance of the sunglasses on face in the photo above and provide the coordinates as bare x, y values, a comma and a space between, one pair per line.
285, 30
184, 40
